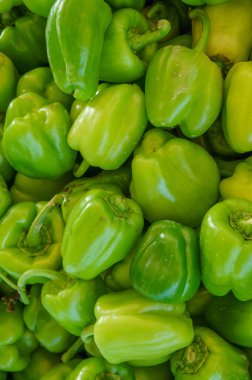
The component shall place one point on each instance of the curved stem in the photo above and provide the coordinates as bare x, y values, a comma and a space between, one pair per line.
87, 334
35, 276
33, 237
139, 41
157, 11
204, 19
72, 351
81, 169
4, 278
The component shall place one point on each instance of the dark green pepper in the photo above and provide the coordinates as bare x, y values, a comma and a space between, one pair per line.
5, 197
7, 5
209, 356
230, 318
129, 44
22, 38
174, 92
35, 137
225, 243
6, 170
8, 81
166, 265
157, 372
75, 62
100, 231
118, 4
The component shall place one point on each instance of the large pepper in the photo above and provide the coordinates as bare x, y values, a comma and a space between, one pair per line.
40, 80
8, 81
225, 241
129, 44
99, 368
100, 231
166, 266
209, 357
174, 89
6, 170
22, 38
110, 126
35, 137
31, 235
53, 337
162, 168
75, 61
236, 113
239, 184
230, 318
69, 301
126, 320
229, 40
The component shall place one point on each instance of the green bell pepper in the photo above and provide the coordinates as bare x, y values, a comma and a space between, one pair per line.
35, 137
229, 40
31, 235
226, 166
75, 62
157, 372
162, 168
40, 80
3, 375
239, 184
128, 46
225, 243
99, 368
8, 81
115, 180
236, 114
202, 2
69, 301
110, 224
118, 4
209, 357
198, 303
173, 88
53, 337
134, 329
22, 38
7, 5
230, 318
5, 197
40, 362
39, 7
166, 265
25, 188
110, 126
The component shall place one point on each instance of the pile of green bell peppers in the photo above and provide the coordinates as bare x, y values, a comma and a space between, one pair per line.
125, 190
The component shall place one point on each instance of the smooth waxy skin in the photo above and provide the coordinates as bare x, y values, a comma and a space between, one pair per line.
225, 243
75, 63
110, 126
236, 111
162, 168
8, 81
127, 319
40, 7
5, 197
165, 266
100, 231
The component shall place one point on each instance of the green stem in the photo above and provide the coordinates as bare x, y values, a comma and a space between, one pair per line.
139, 41
81, 169
204, 19
87, 334
35, 276
4, 278
157, 11
241, 221
34, 236
76, 347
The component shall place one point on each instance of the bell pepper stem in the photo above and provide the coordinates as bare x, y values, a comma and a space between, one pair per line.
87, 334
204, 19
241, 221
157, 11
34, 235
76, 347
81, 169
5, 278
139, 41
35, 276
